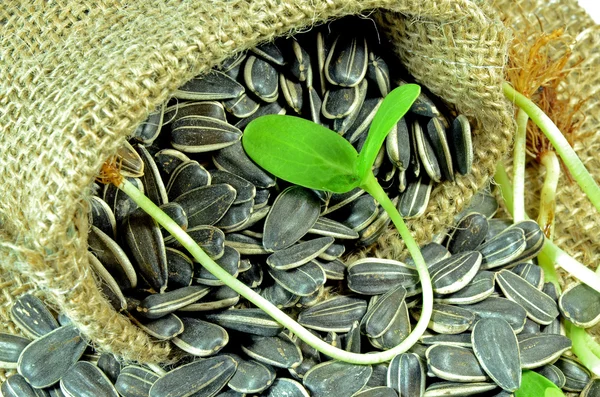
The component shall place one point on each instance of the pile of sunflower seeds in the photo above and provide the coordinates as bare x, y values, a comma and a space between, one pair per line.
491, 306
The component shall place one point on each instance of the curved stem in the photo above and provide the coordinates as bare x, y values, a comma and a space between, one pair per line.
374, 189
165, 221
519, 167
560, 143
548, 193
584, 347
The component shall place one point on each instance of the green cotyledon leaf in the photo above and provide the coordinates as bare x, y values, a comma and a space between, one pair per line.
392, 109
302, 152
535, 385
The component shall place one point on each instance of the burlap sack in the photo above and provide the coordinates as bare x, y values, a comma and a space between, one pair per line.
77, 78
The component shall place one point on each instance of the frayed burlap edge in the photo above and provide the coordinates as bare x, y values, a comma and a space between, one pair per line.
79, 79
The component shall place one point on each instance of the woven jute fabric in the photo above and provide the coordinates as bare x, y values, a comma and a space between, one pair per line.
77, 77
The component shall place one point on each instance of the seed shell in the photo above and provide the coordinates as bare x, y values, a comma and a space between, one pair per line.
336, 378
251, 377
233, 159
102, 217
279, 351
112, 257
180, 269
328, 227
229, 262
47, 359
188, 176
448, 319
211, 239
214, 85
453, 274
442, 360
439, 143
299, 254
16, 386
506, 309
576, 375
440, 389
250, 321
461, 144
480, 288
135, 381
553, 374
261, 78
164, 328
382, 313
531, 273
413, 201
201, 338
159, 305
539, 306
469, 233
541, 349
302, 281
335, 314
592, 389
374, 276
346, 63
406, 375
286, 387
495, 346
85, 379
580, 304
502, 249
201, 378
32, 316
218, 298
154, 187
11, 347
340, 102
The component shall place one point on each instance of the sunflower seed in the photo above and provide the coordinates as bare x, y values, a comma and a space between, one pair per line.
251, 377
146, 245
292, 93
152, 181
32, 316
209, 238
237, 217
164, 328
553, 374
102, 217
228, 262
201, 338
17, 386
502, 249
531, 273
346, 63
406, 375
495, 346
335, 314
424, 106
440, 389
270, 52
159, 305
580, 304
250, 321
379, 72
214, 85
339, 102
539, 306
541, 349
180, 269
443, 359
554, 328
397, 145
108, 284
398, 330
336, 378
448, 319
469, 233
592, 389
211, 109
113, 258
461, 144
503, 308
334, 270
245, 191
534, 238
576, 375
439, 143
261, 78
177, 214
218, 298
132, 165
242, 107
414, 200
315, 103
483, 202
454, 273
121, 204
298, 254
286, 387
199, 134
480, 287
279, 351
302, 281
11, 347
365, 116
47, 359
205, 377
341, 125
426, 152
135, 381
531, 327
85, 379
432, 253
233, 159
279, 296
207, 204
359, 213
383, 312
245, 245
187, 176
373, 276
328, 227
263, 110
300, 65
461, 340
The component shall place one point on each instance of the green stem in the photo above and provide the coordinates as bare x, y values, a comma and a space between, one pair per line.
165, 221
548, 193
374, 189
503, 180
560, 144
519, 167
584, 347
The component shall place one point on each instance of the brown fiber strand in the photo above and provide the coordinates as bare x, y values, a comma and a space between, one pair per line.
77, 77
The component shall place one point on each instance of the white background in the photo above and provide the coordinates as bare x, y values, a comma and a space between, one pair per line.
592, 7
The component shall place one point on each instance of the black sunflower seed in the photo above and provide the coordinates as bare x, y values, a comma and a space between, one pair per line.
533, 274
440, 389
102, 217
580, 304
336, 378
279, 296
439, 143
135, 381
229, 262
86, 379
448, 319
242, 107
270, 52
32, 316
506, 309
17, 386
541, 349
233, 159
204, 377
175, 212
159, 305
406, 375
302, 281
263, 110
461, 144
299, 254
591, 389
11, 347
187, 176
443, 359
286, 387
154, 187
180, 269
380, 315
398, 330
279, 351
251, 377
214, 85
300, 65
292, 93
454, 273
553, 374
502, 249
261, 78
121, 204
469, 233
363, 120
373, 276
328, 227
346, 63
201, 338
379, 72
335, 314
576, 375
212, 109
480, 287
199, 134
107, 283
209, 238
414, 200
218, 298
131, 164
207, 204
250, 321
164, 328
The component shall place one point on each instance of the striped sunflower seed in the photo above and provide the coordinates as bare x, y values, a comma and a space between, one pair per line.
461, 144
154, 187
439, 143
381, 315
454, 273
469, 233
425, 152
209, 238
406, 375
201, 338
300, 66
479, 289
580, 304
506, 309
440, 389
591, 389
121, 204
135, 381
286, 387
102, 217
164, 328
448, 319
113, 258
328, 227
245, 191
199, 134
206, 205
363, 120
250, 321
175, 212
413, 201
251, 377
233, 159
299, 254
336, 378
534, 239
11, 347
576, 375
359, 213
214, 85
180, 269
279, 351
242, 107
108, 284
353, 339
261, 78
346, 63
187, 176
461, 340
553, 374
47, 359
280, 231
205, 377
398, 331
540, 349
495, 346
229, 262
17, 386
212, 109
158, 305
263, 110
379, 72
531, 273
443, 359
502, 249
397, 145
374, 276
132, 165
334, 314
32, 316
340, 102
292, 93
218, 298
85, 379
334, 270
302, 281
539, 306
